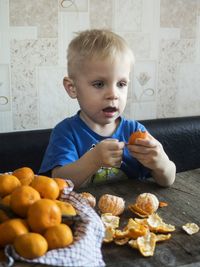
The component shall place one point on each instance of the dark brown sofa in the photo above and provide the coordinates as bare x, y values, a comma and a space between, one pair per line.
180, 138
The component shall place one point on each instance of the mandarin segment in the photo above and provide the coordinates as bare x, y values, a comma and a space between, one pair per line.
135, 209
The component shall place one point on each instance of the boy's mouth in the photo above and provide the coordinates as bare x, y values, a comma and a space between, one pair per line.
109, 111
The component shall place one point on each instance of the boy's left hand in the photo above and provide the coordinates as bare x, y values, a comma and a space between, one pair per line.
149, 152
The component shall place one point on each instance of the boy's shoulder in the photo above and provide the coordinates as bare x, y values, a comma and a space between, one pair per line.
68, 122
66, 126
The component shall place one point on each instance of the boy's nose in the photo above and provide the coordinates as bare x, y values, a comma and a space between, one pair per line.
112, 93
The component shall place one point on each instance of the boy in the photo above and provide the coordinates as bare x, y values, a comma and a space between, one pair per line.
93, 144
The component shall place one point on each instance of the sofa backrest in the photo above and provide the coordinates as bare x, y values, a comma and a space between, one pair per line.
180, 138
23, 148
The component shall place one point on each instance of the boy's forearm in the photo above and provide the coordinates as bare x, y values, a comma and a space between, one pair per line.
166, 175
79, 171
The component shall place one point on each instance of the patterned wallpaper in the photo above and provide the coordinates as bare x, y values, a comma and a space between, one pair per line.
164, 36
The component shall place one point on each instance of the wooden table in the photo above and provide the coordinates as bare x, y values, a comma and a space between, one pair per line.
184, 206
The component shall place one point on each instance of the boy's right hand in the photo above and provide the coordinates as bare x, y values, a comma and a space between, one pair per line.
108, 153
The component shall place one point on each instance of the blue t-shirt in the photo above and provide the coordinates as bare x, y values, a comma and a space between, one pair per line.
72, 138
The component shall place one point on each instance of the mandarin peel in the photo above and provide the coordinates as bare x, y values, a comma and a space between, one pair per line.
137, 135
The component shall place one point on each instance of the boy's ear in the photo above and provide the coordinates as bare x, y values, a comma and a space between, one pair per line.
69, 87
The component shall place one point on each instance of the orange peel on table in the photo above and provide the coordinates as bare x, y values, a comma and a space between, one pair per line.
191, 228
136, 229
110, 220
161, 237
163, 204
121, 241
145, 244
132, 232
109, 235
157, 225
140, 233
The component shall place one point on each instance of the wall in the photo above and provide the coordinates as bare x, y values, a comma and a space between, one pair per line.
164, 35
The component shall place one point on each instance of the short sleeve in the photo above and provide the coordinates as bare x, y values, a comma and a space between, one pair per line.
61, 150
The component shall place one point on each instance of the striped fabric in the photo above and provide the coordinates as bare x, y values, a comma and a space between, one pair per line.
86, 248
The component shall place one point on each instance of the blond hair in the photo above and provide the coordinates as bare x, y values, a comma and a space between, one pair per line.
95, 44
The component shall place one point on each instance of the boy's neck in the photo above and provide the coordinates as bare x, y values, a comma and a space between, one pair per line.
107, 130
103, 130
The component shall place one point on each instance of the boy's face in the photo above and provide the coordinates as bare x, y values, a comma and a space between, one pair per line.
101, 90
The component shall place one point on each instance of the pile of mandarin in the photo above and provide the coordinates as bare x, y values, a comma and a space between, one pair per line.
31, 213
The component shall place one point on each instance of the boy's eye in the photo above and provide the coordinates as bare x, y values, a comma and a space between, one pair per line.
122, 84
98, 84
